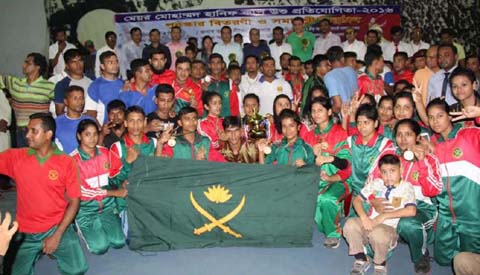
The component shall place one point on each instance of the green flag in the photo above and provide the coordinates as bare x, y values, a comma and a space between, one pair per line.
174, 204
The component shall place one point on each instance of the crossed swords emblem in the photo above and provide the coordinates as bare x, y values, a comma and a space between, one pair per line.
214, 222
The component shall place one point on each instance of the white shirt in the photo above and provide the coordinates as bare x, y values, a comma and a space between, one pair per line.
357, 47
245, 84
420, 46
52, 51
97, 60
323, 44
389, 50
435, 85
276, 51
268, 91
131, 51
225, 50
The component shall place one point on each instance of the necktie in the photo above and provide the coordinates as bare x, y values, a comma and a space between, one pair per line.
445, 84
396, 48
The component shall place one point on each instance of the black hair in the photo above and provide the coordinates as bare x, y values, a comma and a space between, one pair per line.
376, 34
70, 54
459, 71
450, 46
375, 47
208, 96
325, 20
153, 30
385, 98
284, 54
71, 89
277, 28
110, 33
191, 48
40, 61
226, 28
308, 100
48, 122
412, 124
350, 55
59, 29
105, 55
403, 94
231, 121
233, 67
276, 118
308, 62
440, 103
164, 89
450, 32
295, 58
135, 29
396, 29
403, 55
185, 111
158, 51
317, 60
325, 102
215, 55
83, 125
137, 64
298, 18
334, 53
368, 111
268, 58
116, 104
389, 159
371, 98
135, 109
181, 60
251, 56
252, 96
175, 27
288, 113
372, 55
153, 116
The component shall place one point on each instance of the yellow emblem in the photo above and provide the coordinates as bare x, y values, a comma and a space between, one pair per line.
53, 174
457, 153
415, 176
279, 89
106, 165
217, 194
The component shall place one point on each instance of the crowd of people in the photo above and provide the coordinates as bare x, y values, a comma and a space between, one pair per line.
391, 126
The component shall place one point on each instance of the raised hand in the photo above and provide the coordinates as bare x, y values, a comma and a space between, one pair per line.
467, 112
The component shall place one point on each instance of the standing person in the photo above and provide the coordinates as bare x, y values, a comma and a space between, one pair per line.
105, 88
67, 123
165, 115
423, 172
229, 50
141, 93
400, 69
351, 44
176, 45
30, 94
97, 220
301, 40
256, 46
57, 49
329, 142
132, 49
416, 42
160, 73
295, 78
458, 151
438, 83
48, 198
473, 63
5, 120
327, 38
110, 45
321, 67
114, 129
279, 46
447, 36
187, 93
269, 86
212, 125
397, 45
206, 50
252, 74
75, 77
155, 46
422, 76
370, 81
464, 86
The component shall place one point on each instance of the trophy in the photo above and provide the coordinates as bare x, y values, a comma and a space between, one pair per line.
257, 129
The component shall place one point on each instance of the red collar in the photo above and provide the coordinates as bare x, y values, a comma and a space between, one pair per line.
370, 143
129, 142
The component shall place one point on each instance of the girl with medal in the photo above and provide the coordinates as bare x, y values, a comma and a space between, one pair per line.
329, 142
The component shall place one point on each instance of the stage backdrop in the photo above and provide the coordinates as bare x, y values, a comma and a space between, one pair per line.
198, 23
463, 16
174, 204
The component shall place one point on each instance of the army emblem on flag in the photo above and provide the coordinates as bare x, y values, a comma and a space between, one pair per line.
217, 194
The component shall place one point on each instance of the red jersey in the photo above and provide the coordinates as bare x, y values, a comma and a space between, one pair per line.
41, 186
184, 93
209, 127
167, 77
406, 75
369, 85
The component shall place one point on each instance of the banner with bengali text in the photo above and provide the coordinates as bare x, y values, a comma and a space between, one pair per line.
199, 23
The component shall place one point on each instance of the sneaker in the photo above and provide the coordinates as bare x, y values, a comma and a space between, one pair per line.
331, 242
422, 267
380, 270
360, 267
